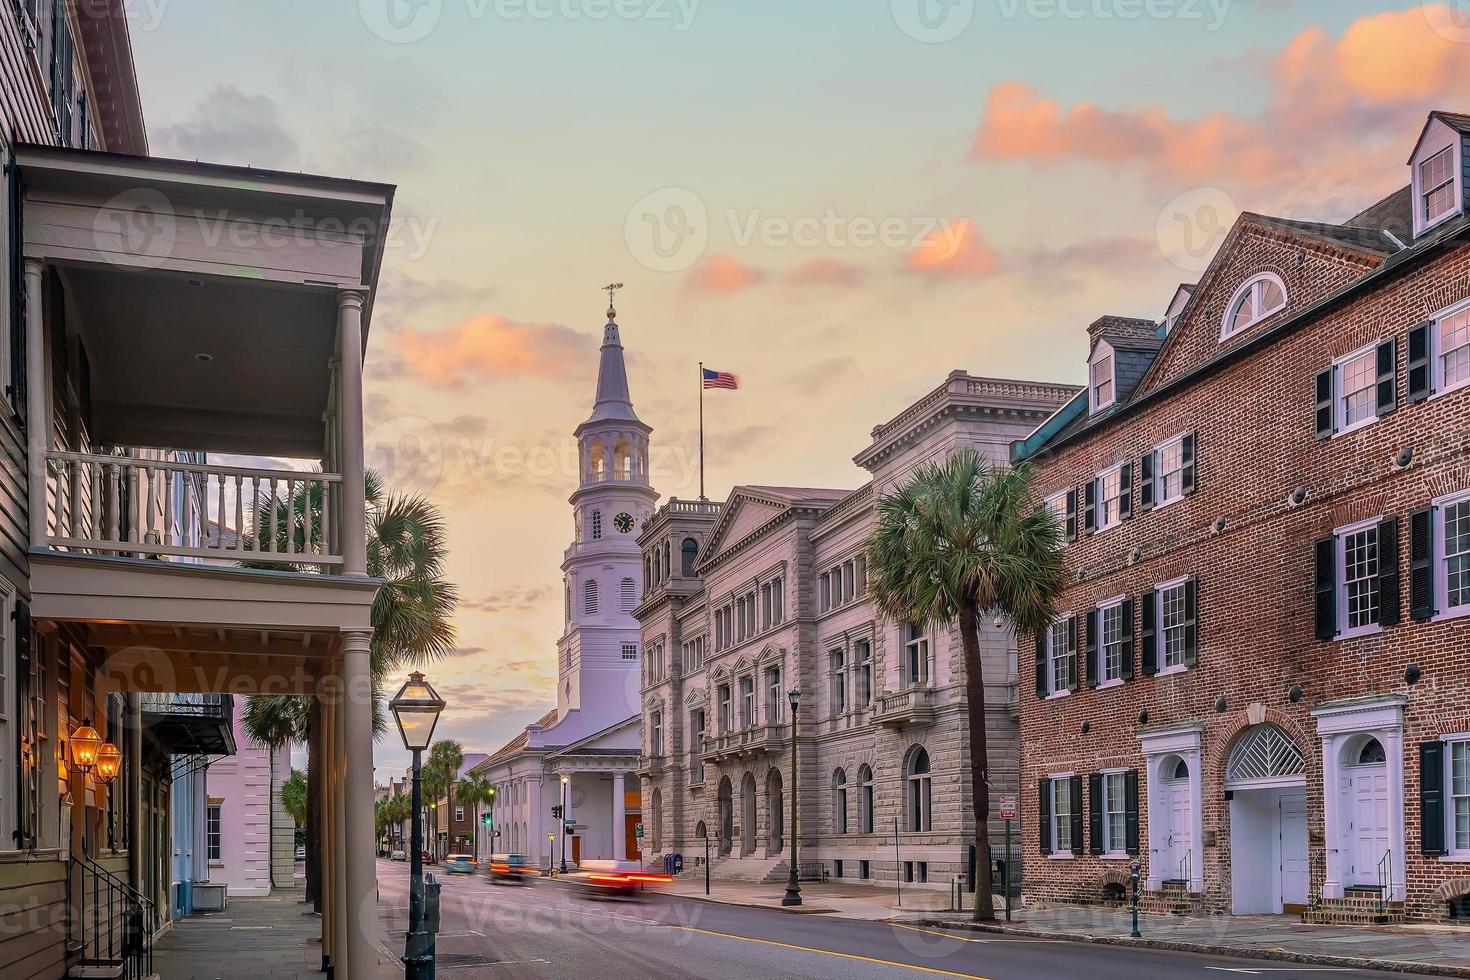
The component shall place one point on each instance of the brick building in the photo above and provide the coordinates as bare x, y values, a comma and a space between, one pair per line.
1257, 686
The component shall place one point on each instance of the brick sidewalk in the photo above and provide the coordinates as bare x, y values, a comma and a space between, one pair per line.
252, 939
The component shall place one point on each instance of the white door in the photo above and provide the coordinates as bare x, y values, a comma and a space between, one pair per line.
1295, 870
1177, 853
1367, 822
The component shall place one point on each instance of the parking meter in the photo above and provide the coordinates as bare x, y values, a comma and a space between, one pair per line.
1135, 871
431, 904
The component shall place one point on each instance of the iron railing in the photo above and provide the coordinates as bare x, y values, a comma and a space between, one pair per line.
206, 707
111, 922
1385, 880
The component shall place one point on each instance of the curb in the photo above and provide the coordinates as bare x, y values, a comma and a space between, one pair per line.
1240, 952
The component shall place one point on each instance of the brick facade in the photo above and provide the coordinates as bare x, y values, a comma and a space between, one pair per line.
1248, 545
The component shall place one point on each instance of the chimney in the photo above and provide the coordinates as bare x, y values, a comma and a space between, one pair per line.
1122, 330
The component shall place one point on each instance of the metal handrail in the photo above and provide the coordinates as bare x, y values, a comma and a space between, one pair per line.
1186, 867
129, 945
1385, 879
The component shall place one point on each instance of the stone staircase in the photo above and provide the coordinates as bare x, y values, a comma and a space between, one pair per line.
761, 870
1175, 898
1356, 908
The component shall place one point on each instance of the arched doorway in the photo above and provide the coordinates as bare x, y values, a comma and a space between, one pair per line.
747, 815
1364, 798
725, 814
1265, 775
775, 814
1175, 848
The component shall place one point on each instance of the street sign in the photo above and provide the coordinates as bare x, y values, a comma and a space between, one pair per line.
1008, 808
638, 831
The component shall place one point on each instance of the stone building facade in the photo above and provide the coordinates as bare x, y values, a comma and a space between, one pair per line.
1256, 687
766, 592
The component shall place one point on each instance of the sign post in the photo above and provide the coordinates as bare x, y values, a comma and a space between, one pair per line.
1007, 813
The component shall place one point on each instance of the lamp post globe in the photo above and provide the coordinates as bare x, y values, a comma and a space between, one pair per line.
793, 885
416, 709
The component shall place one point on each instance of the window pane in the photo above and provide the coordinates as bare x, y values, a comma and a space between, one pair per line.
1360, 570
1272, 298
1171, 624
1457, 553
1112, 642
1170, 471
1062, 814
1358, 378
1454, 347
1109, 495
1436, 183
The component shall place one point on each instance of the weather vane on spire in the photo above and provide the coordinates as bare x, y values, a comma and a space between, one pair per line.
612, 288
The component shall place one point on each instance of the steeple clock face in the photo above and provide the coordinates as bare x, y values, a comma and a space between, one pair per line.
623, 522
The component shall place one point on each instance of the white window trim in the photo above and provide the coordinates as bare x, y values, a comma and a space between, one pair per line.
1340, 573
1122, 855
1452, 854
1052, 781
1421, 224
1097, 499
1051, 678
1104, 349
1441, 573
1158, 452
1050, 502
1338, 424
1227, 323
1436, 366
1159, 647
1116, 602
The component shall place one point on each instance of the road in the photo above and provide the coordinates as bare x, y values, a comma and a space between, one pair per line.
549, 931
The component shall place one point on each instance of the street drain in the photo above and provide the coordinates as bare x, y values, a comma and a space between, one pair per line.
457, 960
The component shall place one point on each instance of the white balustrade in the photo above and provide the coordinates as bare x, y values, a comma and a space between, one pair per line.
139, 507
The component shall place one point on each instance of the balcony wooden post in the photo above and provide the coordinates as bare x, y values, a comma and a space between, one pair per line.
359, 846
353, 528
38, 405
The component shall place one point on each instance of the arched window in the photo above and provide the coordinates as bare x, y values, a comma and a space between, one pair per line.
865, 800
596, 462
668, 566
647, 572
589, 598
688, 551
1372, 754
597, 525
920, 792
1257, 299
622, 460
1264, 752
839, 802
1181, 771
628, 595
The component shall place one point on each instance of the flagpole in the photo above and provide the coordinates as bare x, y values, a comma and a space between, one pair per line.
701, 430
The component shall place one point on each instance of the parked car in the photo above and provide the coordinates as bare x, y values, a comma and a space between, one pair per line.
459, 864
510, 869
398, 855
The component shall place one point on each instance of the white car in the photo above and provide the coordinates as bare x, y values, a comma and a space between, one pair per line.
398, 855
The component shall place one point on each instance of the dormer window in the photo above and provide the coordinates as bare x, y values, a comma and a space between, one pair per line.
1437, 185
1257, 299
1102, 389
1436, 170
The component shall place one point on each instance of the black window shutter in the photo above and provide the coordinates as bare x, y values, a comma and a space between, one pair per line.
1043, 812
1388, 572
1388, 376
1072, 514
1042, 689
1431, 799
1325, 414
1072, 649
1126, 671
1092, 648
1146, 481
1421, 564
17, 379
1089, 506
1419, 381
1326, 562
1095, 813
1125, 491
1186, 475
1130, 796
1150, 645
1191, 622
1076, 814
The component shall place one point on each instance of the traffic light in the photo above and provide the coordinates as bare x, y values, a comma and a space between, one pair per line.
556, 810
487, 820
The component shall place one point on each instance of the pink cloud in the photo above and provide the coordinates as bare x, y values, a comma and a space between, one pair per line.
826, 272
721, 273
490, 346
955, 250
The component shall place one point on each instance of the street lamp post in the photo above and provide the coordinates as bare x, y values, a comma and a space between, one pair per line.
416, 709
793, 884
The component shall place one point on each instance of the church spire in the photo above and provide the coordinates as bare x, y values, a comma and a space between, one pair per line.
614, 403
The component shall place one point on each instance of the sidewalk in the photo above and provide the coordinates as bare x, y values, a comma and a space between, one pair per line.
1442, 950
273, 937
851, 901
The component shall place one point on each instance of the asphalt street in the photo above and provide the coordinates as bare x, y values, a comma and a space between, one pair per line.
550, 930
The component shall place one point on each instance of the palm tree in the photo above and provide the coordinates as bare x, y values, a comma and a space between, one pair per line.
400, 808
407, 549
475, 789
293, 797
445, 758
959, 541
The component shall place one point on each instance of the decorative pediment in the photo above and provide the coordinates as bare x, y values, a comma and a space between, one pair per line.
770, 653
743, 514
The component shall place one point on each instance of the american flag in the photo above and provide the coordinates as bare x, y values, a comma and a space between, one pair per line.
720, 379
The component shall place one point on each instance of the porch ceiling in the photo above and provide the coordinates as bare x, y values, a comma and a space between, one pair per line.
213, 364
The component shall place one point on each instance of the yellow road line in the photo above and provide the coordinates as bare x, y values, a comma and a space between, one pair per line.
828, 952
941, 935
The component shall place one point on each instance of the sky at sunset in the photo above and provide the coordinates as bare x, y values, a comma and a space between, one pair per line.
838, 200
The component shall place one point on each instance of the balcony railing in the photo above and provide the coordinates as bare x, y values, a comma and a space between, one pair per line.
202, 706
126, 505
912, 706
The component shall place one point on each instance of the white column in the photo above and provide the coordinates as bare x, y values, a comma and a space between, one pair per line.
1393, 745
1332, 886
535, 821
360, 871
619, 819
349, 391
38, 428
